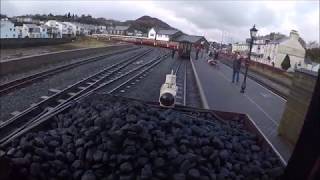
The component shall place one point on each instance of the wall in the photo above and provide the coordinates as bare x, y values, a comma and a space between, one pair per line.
25, 64
7, 29
27, 42
297, 105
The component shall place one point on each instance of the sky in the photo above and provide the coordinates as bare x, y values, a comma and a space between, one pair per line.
228, 21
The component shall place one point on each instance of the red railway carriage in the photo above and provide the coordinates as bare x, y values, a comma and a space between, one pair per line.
184, 49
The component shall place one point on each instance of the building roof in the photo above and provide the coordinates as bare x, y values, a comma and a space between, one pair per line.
31, 25
188, 38
276, 41
121, 28
44, 26
167, 31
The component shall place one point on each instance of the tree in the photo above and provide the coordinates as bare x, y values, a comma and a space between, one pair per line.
69, 16
313, 54
3, 16
286, 63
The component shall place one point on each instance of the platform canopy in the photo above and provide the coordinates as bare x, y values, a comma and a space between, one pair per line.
190, 39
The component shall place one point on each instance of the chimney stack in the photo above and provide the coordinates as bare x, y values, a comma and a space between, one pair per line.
294, 34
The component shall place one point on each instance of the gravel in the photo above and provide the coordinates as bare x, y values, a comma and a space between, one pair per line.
22, 98
132, 140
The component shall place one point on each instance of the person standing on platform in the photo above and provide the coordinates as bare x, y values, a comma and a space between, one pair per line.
172, 53
236, 65
197, 53
216, 55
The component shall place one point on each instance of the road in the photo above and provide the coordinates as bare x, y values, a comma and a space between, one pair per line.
261, 104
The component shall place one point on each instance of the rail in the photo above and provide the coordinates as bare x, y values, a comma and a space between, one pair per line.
16, 124
19, 83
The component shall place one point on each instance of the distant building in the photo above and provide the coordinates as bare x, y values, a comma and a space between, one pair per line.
31, 31
101, 29
7, 29
134, 32
196, 41
118, 30
75, 28
25, 19
56, 28
65, 29
89, 29
152, 34
53, 32
44, 31
240, 47
163, 34
274, 51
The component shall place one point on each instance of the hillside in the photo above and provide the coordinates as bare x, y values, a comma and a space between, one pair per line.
144, 23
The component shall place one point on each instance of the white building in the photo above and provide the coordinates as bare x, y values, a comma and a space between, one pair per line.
163, 34
101, 29
31, 31
55, 28
44, 31
269, 52
65, 29
7, 29
240, 47
118, 30
152, 33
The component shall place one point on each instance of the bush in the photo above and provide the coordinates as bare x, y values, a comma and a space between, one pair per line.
286, 63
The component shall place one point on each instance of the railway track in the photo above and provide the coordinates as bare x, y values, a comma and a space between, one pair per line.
54, 104
22, 82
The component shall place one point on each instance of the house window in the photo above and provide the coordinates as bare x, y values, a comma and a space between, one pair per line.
151, 34
10, 29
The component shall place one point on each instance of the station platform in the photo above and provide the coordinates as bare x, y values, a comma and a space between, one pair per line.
263, 106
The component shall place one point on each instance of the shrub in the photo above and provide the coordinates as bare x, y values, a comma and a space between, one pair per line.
286, 63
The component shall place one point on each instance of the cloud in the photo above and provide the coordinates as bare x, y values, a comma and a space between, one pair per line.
217, 20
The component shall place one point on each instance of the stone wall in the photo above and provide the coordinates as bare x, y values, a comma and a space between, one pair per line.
27, 42
297, 105
21, 65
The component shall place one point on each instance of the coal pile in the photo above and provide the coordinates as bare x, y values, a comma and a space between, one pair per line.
107, 138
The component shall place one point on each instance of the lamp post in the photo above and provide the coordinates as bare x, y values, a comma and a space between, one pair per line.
253, 33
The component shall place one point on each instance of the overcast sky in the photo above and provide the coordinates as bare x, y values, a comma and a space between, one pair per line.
227, 20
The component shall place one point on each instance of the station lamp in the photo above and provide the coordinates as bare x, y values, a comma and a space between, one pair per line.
253, 35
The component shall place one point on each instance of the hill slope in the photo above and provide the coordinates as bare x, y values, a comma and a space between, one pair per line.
144, 23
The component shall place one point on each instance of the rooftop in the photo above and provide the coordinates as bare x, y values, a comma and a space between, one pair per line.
167, 31
188, 38
31, 25
120, 28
